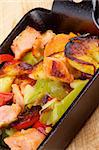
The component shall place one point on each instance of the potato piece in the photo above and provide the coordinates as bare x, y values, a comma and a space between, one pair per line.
57, 44
56, 69
83, 53
38, 72
15, 68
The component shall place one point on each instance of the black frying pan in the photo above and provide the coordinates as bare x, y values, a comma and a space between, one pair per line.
66, 17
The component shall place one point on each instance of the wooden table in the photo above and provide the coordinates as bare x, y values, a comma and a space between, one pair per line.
11, 11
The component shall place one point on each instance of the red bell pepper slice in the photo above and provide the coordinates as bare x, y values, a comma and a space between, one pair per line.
27, 118
5, 97
26, 123
5, 57
41, 127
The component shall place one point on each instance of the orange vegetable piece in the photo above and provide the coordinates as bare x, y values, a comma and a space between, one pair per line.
57, 70
57, 44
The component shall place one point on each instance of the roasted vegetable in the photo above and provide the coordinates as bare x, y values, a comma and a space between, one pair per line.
41, 82
29, 58
5, 84
15, 68
34, 94
83, 53
46, 98
76, 83
43, 87
23, 80
5, 98
56, 69
5, 57
49, 104
38, 72
52, 112
27, 119
57, 44
42, 127
56, 89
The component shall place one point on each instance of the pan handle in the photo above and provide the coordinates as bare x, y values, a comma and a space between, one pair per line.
82, 9
95, 12
77, 14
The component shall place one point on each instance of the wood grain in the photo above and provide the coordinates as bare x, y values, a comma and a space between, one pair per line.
11, 11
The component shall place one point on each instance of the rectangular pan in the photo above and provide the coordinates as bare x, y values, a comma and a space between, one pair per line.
85, 103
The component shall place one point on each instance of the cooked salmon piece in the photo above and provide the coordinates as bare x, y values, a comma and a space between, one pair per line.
9, 114
24, 41
18, 97
28, 139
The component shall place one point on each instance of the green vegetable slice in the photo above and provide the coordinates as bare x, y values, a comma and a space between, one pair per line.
56, 90
42, 87
53, 113
30, 59
31, 94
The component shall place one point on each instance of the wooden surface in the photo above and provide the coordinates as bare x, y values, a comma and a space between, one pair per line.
11, 11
